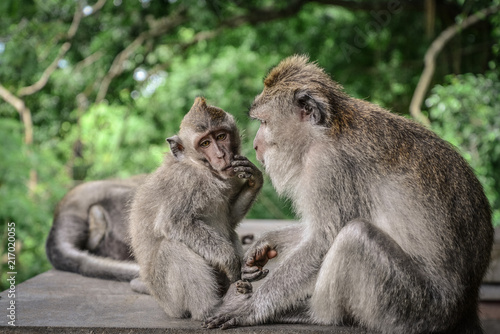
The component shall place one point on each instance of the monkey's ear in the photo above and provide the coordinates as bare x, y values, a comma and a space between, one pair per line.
176, 147
311, 109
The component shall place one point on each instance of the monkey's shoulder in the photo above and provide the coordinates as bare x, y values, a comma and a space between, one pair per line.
377, 129
180, 188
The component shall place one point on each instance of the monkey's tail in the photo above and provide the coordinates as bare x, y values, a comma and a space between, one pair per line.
65, 251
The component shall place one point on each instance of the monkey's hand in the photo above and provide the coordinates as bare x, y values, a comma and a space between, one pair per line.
254, 262
235, 296
245, 169
243, 287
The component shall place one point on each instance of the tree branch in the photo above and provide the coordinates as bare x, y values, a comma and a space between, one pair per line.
256, 16
430, 60
157, 28
75, 23
88, 61
19, 104
367, 5
29, 90
161, 26
23, 111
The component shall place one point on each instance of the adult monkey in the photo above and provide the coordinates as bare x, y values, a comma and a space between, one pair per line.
183, 218
396, 232
89, 233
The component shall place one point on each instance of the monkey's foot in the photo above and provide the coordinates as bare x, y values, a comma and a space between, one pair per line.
240, 317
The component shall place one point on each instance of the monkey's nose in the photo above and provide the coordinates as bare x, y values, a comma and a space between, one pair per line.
220, 154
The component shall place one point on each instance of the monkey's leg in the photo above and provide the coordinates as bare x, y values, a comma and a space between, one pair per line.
98, 224
183, 282
368, 278
138, 286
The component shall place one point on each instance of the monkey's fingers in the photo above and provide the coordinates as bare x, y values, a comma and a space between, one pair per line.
229, 324
245, 176
244, 169
262, 255
259, 258
240, 157
244, 163
243, 287
247, 269
205, 323
216, 321
272, 253
254, 276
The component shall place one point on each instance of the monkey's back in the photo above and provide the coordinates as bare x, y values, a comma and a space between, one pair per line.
425, 194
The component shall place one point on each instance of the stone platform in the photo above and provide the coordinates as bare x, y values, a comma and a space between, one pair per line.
63, 302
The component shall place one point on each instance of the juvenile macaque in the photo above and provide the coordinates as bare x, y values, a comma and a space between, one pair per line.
89, 234
183, 217
396, 233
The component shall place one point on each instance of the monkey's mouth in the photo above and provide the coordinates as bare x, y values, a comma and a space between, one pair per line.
226, 169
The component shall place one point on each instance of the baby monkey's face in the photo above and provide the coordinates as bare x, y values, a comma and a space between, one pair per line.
216, 147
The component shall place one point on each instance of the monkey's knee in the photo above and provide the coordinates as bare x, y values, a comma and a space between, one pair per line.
365, 276
97, 226
194, 291
346, 277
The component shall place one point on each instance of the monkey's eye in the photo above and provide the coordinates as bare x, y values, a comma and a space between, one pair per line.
221, 136
205, 143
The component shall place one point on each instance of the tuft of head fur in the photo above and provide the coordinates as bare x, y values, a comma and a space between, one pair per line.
304, 79
202, 117
294, 69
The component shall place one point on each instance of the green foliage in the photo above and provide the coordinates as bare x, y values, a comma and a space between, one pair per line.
31, 213
465, 112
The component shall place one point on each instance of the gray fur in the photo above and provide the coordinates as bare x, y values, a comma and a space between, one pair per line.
183, 220
89, 232
396, 231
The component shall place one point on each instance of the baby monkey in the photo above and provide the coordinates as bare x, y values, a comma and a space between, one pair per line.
183, 218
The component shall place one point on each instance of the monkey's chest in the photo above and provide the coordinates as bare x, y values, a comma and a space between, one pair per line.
219, 218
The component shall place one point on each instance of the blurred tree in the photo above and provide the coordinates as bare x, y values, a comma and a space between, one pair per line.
465, 112
93, 88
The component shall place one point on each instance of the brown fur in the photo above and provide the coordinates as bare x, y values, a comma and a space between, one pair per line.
183, 218
396, 232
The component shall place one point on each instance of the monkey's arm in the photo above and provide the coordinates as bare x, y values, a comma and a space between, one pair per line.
205, 240
245, 169
271, 244
286, 288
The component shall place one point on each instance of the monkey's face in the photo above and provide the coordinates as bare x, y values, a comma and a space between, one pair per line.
216, 150
263, 137
282, 127
281, 140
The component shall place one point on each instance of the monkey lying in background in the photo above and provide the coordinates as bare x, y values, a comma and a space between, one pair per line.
183, 217
89, 235
396, 233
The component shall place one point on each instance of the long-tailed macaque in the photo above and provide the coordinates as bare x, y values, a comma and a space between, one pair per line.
89, 232
396, 230
183, 218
